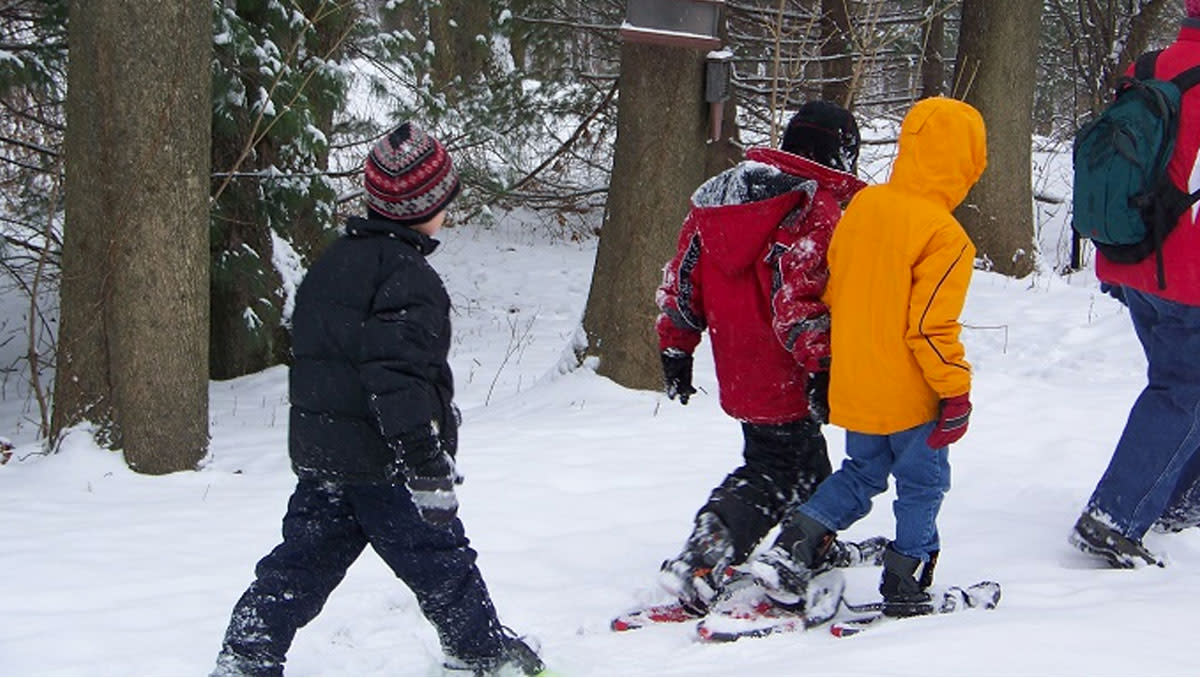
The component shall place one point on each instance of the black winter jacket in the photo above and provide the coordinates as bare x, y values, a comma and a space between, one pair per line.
370, 339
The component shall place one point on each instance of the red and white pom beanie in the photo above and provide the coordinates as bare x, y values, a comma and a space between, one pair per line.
409, 176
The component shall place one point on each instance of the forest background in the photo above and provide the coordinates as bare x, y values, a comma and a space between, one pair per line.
159, 205
169, 169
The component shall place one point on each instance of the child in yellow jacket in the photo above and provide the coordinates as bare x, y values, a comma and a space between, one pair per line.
899, 268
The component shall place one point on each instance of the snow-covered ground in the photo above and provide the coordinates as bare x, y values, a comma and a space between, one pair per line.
576, 490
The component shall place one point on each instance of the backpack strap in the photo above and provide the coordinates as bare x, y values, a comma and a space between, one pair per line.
1143, 68
1187, 79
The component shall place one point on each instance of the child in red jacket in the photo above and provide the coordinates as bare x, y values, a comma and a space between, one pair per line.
750, 270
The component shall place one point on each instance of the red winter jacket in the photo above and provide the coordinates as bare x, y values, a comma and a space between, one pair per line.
755, 282
1181, 250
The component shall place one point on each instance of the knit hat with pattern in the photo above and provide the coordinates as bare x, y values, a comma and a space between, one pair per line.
409, 176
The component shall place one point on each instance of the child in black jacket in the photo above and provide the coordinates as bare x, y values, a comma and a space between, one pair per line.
373, 431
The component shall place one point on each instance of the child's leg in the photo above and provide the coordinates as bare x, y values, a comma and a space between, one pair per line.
438, 564
845, 497
807, 534
922, 480
321, 539
783, 463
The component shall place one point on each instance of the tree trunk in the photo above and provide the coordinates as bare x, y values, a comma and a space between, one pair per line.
837, 68
454, 26
997, 60
658, 161
1143, 26
933, 70
133, 353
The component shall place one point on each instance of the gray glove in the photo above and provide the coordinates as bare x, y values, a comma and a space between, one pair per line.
429, 476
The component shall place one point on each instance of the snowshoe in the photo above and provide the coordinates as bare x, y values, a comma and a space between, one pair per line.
984, 595
666, 613
750, 607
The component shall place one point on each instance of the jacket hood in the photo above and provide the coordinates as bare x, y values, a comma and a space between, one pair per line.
747, 182
943, 150
739, 209
842, 185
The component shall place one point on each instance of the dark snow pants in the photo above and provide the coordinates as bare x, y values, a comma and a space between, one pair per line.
784, 463
326, 527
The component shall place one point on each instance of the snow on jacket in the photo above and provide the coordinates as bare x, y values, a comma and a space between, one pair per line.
899, 266
1181, 250
370, 339
750, 269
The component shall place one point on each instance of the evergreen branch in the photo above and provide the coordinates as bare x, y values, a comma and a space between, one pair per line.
289, 175
566, 145
256, 137
567, 23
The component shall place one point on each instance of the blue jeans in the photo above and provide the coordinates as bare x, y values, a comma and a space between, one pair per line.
922, 480
1155, 466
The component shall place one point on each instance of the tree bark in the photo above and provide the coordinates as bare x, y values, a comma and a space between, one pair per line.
1142, 27
996, 73
133, 352
658, 161
933, 69
454, 26
837, 64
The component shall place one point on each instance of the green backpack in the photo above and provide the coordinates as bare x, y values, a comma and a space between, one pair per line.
1124, 202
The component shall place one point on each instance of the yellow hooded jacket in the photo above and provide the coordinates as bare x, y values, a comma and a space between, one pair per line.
899, 266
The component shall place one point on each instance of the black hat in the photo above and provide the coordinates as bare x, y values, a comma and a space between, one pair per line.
824, 132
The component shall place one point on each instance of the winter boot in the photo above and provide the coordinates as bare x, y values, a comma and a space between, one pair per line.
1178, 518
805, 541
1165, 525
801, 551
904, 594
1093, 537
516, 658
865, 553
232, 663
694, 575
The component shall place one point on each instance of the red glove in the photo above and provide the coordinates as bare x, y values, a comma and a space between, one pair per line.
953, 414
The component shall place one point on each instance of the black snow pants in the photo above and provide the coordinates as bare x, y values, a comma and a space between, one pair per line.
326, 527
784, 463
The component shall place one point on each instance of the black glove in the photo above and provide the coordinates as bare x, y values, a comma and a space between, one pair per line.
677, 370
429, 476
817, 390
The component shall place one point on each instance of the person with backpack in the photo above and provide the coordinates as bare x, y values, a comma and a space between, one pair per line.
899, 268
1151, 479
373, 432
749, 270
